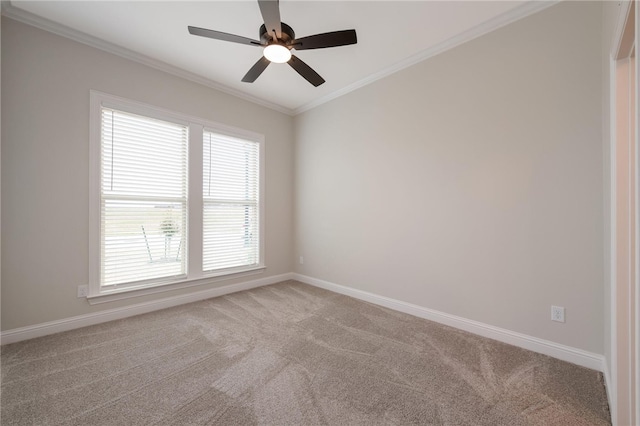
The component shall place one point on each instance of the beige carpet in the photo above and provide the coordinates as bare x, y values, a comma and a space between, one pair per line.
289, 354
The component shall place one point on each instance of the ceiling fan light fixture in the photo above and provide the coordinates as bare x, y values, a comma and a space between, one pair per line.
277, 53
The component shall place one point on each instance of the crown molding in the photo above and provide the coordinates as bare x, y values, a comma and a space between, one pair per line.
518, 13
506, 18
28, 18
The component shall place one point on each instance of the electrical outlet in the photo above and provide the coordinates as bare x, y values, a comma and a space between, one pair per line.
557, 313
301, 260
83, 290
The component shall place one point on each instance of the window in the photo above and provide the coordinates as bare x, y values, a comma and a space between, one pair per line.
230, 193
175, 200
143, 198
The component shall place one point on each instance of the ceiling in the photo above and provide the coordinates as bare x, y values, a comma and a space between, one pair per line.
391, 36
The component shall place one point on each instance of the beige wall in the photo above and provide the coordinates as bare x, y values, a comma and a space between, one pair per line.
45, 150
471, 183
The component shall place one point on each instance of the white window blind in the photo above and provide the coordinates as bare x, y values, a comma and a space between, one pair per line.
143, 198
230, 202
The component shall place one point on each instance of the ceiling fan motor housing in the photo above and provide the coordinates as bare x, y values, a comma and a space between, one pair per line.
288, 35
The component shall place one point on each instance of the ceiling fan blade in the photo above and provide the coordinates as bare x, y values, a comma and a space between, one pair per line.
305, 71
218, 35
256, 70
270, 10
321, 41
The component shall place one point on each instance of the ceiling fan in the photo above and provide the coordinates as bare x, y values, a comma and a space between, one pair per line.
278, 39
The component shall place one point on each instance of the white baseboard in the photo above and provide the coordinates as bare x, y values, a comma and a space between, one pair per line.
556, 350
43, 329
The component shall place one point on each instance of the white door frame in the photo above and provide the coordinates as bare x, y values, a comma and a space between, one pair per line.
624, 384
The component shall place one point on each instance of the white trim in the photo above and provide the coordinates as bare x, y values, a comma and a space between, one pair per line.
612, 383
95, 127
516, 14
194, 221
44, 329
610, 388
194, 274
493, 24
142, 108
556, 350
636, 361
620, 26
28, 18
129, 292
565, 353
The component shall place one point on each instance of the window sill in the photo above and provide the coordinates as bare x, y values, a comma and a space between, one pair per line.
132, 292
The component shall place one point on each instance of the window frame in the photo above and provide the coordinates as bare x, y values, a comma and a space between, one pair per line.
194, 236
